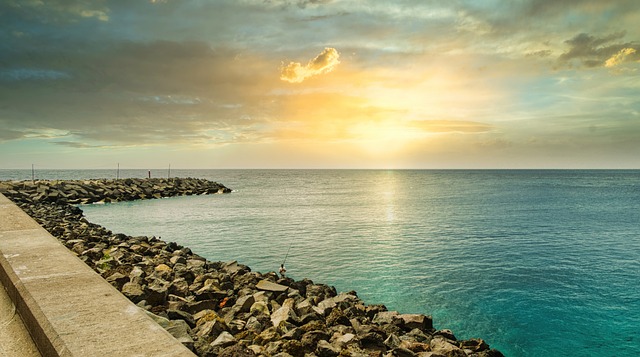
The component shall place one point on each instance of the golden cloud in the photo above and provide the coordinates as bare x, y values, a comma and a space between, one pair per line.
619, 57
325, 62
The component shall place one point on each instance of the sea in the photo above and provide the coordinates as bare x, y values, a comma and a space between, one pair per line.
535, 262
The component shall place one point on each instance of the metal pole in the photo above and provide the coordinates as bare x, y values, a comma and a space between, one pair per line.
33, 174
118, 172
169, 173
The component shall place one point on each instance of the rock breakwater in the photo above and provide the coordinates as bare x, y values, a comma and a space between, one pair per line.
93, 191
224, 308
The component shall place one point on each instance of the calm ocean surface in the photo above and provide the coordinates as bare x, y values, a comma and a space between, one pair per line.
538, 263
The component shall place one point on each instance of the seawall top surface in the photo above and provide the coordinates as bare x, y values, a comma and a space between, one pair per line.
76, 311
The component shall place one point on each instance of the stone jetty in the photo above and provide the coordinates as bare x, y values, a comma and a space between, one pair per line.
97, 191
224, 308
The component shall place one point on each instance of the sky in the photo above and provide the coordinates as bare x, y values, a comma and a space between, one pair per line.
412, 84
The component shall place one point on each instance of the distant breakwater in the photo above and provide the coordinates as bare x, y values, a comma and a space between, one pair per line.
223, 308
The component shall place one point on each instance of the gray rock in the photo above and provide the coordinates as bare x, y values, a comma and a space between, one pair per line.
259, 308
244, 303
413, 321
225, 339
176, 259
284, 313
325, 349
182, 315
118, 280
343, 340
237, 350
402, 352
267, 285
385, 317
177, 328
392, 341
211, 328
443, 346
134, 292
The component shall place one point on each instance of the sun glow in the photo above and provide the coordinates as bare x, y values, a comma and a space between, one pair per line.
385, 137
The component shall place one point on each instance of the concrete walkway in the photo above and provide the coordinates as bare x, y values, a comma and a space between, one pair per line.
14, 337
68, 309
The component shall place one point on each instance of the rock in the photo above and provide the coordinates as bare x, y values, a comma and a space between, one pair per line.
178, 329
118, 280
372, 310
182, 315
244, 303
413, 321
311, 338
402, 352
179, 287
181, 331
134, 292
157, 293
444, 347
211, 328
164, 271
446, 333
475, 345
194, 307
259, 308
284, 313
325, 349
337, 317
237, 350
372, 340
225, 339
414, 346
325, 306
254, 325
176, 259
266, 285
392, 341
233, 268
385, 317
137, 274
266, 336
342, 340
195, 264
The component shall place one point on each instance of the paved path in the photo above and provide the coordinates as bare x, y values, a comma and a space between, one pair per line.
68, 308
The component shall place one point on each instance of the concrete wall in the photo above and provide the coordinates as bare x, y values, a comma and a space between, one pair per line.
69, 309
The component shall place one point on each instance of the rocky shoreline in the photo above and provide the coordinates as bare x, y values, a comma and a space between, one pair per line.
223, 308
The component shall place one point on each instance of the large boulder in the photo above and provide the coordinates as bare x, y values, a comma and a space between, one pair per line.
284, 313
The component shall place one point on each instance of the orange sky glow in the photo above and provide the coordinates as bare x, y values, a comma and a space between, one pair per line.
320, 84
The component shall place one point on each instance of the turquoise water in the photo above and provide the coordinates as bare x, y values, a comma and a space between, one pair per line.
538, 263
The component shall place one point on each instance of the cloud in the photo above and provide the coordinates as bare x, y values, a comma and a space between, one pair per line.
135, 93
591, 51
20, 74
6, 134
79, 145
325, 62
59, 11
451, 126
619, 57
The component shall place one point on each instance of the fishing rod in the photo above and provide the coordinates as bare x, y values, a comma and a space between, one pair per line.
285, 257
